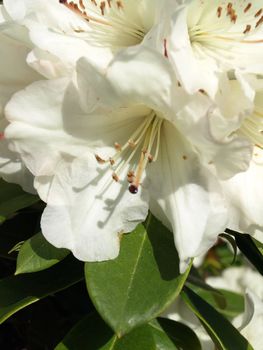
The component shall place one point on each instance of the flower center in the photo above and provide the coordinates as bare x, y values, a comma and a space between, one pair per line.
217, 27
113, 23
140, 149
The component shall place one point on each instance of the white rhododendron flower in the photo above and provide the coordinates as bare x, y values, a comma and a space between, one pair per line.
112, 104
211, 38
251, 323
117, 142
244, 190
64, 31
236, 279
50, 39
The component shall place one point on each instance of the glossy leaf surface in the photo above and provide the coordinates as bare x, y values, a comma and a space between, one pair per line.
138, 285
37, 254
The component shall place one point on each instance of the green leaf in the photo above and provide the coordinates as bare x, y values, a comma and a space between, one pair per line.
138, 285
232, 242
89, 333
198, 284
181, 334
230, 304
13, 198
37, 254
16, 292
259, 245
248, 247
92, 333
222, 332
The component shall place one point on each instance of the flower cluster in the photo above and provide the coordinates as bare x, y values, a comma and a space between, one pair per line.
113, 108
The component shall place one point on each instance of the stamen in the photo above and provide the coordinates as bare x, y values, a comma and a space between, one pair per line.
252, 127
99, 159
248, 27
247, 7
111, 25
78, 10
143, 140
258, 13
260, 21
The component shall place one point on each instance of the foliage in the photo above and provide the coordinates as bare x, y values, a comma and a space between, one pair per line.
49, 300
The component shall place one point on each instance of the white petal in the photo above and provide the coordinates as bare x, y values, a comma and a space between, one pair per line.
137, 75
13, 170
193, 75
220, 149
244, 193
36, 129
252, 324
191, 200
87, 216
14, 72
238, 279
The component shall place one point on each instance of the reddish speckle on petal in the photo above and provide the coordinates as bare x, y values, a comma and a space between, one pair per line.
165, 48
2, 136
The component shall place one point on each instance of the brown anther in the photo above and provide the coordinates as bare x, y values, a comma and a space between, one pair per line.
233, 17
102, 7
117, 146
115, 177
202, 91
119, 4
260, 21
82, 6
99, 159
85, 16
150, 158
131, 173
94, 2
184, 157
144, 151
229, 8
219, 11
248, 27
109, 3
247, 7
130, 179
258, 13
112, 161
